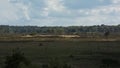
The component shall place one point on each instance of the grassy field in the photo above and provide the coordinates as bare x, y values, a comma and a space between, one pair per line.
79, 54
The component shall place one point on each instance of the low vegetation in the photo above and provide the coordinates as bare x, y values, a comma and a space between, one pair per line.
108, 63
60, 54
60, 47
16, 59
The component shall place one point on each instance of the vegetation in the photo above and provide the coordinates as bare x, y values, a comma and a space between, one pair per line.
56, 63
107, 63
70, 54
107, 33
94, 47
14, 60
71, 30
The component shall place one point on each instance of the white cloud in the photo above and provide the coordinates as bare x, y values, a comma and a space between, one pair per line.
115, 1
106, 10
53, 6
7, 11
56, 12
13, 13
24, 9
26, 12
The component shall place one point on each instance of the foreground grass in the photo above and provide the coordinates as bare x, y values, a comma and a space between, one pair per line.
80, 54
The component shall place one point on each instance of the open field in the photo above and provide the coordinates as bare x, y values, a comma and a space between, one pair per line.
79, 54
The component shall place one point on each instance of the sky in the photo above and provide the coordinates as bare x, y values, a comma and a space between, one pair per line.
59, 12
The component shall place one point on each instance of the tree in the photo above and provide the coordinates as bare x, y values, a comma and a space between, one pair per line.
14, 60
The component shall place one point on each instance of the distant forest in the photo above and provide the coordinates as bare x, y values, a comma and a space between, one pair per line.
71, 30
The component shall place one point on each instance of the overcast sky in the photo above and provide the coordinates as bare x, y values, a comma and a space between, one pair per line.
59, 12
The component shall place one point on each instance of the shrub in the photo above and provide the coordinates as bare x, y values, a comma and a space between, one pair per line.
109, 63
40, 44
56, 63
14, 60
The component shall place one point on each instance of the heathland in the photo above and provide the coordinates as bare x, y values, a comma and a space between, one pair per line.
61, 47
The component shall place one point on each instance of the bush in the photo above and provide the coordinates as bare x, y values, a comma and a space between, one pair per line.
40, 44
109, 63
14, 60
56, 63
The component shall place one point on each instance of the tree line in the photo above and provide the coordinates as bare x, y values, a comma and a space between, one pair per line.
72, 30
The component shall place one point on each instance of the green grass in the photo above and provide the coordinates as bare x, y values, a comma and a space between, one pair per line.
84, 54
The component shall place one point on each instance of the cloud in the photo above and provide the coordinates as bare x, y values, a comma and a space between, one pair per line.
7, 12
53, 6
25, 10
11, 12
23, 7
59, 12
115, 1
